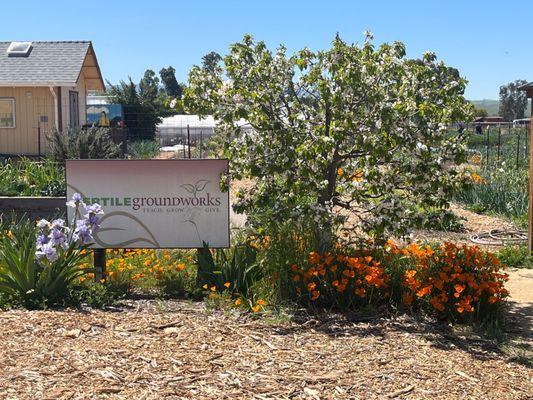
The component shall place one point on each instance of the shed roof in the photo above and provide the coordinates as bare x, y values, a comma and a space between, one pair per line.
50, 64
528, 88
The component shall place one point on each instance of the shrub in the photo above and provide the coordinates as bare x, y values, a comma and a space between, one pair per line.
516, 256
235, 270
18, 270
175, 279
169, 271
441, 220
174, 282
95, 295
280, 246
143, 149
77, 143
341, 281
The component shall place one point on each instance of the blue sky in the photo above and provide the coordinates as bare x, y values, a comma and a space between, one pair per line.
488, 41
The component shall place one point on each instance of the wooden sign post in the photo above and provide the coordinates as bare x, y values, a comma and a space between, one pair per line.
99, 264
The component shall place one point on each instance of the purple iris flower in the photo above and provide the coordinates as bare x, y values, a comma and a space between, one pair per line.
57, 237
41, 239
54, 238
76, 201
58, 224
94, 209
83, 231
94, 220
49, 251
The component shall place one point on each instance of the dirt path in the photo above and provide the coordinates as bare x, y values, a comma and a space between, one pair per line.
520, 285
473, 223
176, 350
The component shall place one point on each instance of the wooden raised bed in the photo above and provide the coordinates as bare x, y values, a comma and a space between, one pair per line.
33, 207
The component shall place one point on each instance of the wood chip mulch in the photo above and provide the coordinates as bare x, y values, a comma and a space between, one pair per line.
148, 349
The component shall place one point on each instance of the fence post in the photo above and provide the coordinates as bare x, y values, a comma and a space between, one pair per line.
189, 140
517, 148
499, 141
201, 143
487, 146
526, 146
125, 140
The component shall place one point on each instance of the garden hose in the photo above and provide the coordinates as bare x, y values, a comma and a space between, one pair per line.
497, 237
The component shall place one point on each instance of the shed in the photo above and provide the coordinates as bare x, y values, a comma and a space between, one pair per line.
43, 87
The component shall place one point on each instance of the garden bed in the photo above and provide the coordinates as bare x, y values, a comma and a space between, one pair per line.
174, 349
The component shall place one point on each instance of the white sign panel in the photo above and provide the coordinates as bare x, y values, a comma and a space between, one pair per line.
154, 203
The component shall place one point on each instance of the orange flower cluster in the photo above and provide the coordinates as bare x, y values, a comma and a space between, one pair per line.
259, 243
476, 178
144, 265
340, 276
452, 279
476, 159
448, 280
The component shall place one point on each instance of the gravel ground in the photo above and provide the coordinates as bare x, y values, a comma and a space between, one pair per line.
178, 350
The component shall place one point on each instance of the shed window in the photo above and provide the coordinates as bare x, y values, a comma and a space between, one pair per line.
7, 113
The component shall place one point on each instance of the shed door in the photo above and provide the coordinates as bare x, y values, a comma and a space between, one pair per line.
74, 110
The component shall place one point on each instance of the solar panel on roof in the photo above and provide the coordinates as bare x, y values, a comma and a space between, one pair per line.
19, 48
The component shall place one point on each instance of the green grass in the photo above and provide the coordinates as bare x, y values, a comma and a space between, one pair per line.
26, 177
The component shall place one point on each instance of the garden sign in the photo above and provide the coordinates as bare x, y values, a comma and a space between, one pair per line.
154, 203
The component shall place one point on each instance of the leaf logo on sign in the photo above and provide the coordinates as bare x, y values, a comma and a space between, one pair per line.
196, 188
133, 239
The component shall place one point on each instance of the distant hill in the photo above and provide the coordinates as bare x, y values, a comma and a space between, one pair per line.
492, 106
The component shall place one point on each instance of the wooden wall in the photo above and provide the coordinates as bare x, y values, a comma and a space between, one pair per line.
30, 104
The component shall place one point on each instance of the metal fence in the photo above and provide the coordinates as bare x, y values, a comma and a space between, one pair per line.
497, 143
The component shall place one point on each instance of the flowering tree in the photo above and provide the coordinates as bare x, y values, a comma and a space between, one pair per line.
354, 128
